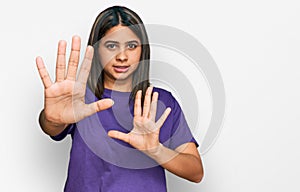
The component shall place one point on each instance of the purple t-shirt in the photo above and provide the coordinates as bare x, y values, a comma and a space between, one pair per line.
100, 163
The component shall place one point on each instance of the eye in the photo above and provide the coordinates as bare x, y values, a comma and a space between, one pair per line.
111, 46
132, 45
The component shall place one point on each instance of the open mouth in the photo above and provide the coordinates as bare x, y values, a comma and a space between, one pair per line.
121, 69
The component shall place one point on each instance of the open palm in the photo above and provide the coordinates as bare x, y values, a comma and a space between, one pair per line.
145, 133
64, 99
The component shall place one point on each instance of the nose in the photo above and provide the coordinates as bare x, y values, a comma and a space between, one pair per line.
122, 56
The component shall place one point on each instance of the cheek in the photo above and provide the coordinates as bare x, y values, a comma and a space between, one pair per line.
135, 56
105, 57
135, 59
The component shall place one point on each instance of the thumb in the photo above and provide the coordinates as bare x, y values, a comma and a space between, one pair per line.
119, 135
99, 106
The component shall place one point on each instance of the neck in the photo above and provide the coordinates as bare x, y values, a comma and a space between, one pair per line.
122, 85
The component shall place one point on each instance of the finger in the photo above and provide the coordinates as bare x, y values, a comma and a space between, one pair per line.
163, 117
61, 61
86, 65
98, 106
74, 58
153, 106
147, 102
119, 135
137, 103
43, 72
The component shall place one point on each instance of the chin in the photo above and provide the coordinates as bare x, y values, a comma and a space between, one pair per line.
121, 77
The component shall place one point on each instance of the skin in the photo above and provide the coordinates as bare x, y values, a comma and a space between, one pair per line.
64, 100
120, 47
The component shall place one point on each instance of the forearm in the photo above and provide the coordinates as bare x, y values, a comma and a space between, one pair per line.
48, 127
183, 165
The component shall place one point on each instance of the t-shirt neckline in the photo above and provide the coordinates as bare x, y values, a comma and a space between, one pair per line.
115, 92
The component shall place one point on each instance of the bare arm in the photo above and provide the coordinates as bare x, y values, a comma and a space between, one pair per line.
185, 161
49, 127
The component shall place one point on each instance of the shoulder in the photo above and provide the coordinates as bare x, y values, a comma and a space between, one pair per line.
166, 97
163, 93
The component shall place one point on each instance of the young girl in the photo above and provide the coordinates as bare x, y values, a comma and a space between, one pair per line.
124, 131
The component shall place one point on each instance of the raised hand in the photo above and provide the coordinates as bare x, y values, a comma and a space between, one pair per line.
145, 133
64, 99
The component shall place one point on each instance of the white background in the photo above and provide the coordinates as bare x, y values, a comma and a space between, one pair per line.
256, 45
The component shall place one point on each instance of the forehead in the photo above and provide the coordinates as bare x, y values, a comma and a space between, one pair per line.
120, 33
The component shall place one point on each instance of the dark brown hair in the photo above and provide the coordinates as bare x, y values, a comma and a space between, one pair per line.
107, 19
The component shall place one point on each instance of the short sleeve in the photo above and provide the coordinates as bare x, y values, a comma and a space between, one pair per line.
68, 130
181, 132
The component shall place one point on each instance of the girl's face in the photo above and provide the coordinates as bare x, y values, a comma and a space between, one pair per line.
120, 52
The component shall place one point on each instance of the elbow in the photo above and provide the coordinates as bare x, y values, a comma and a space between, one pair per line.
198, 177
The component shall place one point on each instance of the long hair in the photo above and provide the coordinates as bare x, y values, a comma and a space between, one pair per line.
107, 19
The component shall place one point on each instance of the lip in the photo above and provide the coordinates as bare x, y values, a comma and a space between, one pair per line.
121, 69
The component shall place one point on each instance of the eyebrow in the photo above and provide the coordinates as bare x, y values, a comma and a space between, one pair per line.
132, 41
117, 42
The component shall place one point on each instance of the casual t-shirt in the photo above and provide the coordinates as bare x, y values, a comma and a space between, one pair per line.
99, 163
